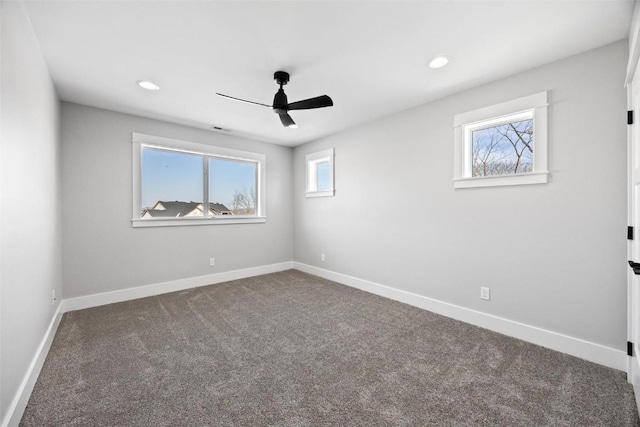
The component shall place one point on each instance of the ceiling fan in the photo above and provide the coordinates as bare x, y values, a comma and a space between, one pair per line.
280, 104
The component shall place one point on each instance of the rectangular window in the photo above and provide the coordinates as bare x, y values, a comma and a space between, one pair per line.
184, 183
232, 186
320, 174
168, 176
504, 144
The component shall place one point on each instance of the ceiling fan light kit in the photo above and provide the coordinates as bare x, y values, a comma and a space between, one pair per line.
281, 105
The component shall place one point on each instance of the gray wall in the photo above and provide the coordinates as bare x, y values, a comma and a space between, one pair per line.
101, 250
30, 225
553, 255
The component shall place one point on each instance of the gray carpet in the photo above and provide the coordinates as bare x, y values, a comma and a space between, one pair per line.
290, 349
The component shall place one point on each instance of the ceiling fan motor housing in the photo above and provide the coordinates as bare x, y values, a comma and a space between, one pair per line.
280, 101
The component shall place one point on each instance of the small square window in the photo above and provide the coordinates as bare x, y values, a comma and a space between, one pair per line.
503, 147
504, 144
320, 174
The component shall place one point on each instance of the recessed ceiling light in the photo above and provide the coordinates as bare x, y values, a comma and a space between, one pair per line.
144, 84
439, 62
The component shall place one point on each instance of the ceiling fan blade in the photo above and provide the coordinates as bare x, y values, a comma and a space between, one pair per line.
242, 100
287, 121
306, 104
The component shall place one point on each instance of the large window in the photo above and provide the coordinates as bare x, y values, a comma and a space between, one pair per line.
184, 183
504, 144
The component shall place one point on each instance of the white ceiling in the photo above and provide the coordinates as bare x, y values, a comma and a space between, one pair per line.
369, 56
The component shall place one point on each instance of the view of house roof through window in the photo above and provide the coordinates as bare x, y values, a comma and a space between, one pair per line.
173, 185
177, 209
179, 182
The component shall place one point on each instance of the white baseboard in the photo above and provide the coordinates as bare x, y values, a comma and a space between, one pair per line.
104, 298
21, 398
577, 347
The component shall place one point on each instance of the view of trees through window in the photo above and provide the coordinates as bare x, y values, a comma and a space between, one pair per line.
503, 149
233, 182
172, 184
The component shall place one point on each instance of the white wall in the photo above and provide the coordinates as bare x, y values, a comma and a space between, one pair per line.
553, 255
30, 225
101, 250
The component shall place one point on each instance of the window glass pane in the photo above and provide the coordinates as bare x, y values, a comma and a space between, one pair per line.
324, 176
503, 149
232, 187
171, 184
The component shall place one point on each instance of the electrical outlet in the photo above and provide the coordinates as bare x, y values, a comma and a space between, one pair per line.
322, 258
212, 262
53, 297
485, 293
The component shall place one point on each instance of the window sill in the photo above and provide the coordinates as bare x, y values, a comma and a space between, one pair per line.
328, 193
174, 222
502, 180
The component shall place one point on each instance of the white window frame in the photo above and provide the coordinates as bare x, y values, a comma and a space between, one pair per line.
534, 106
140, 140
312, 161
